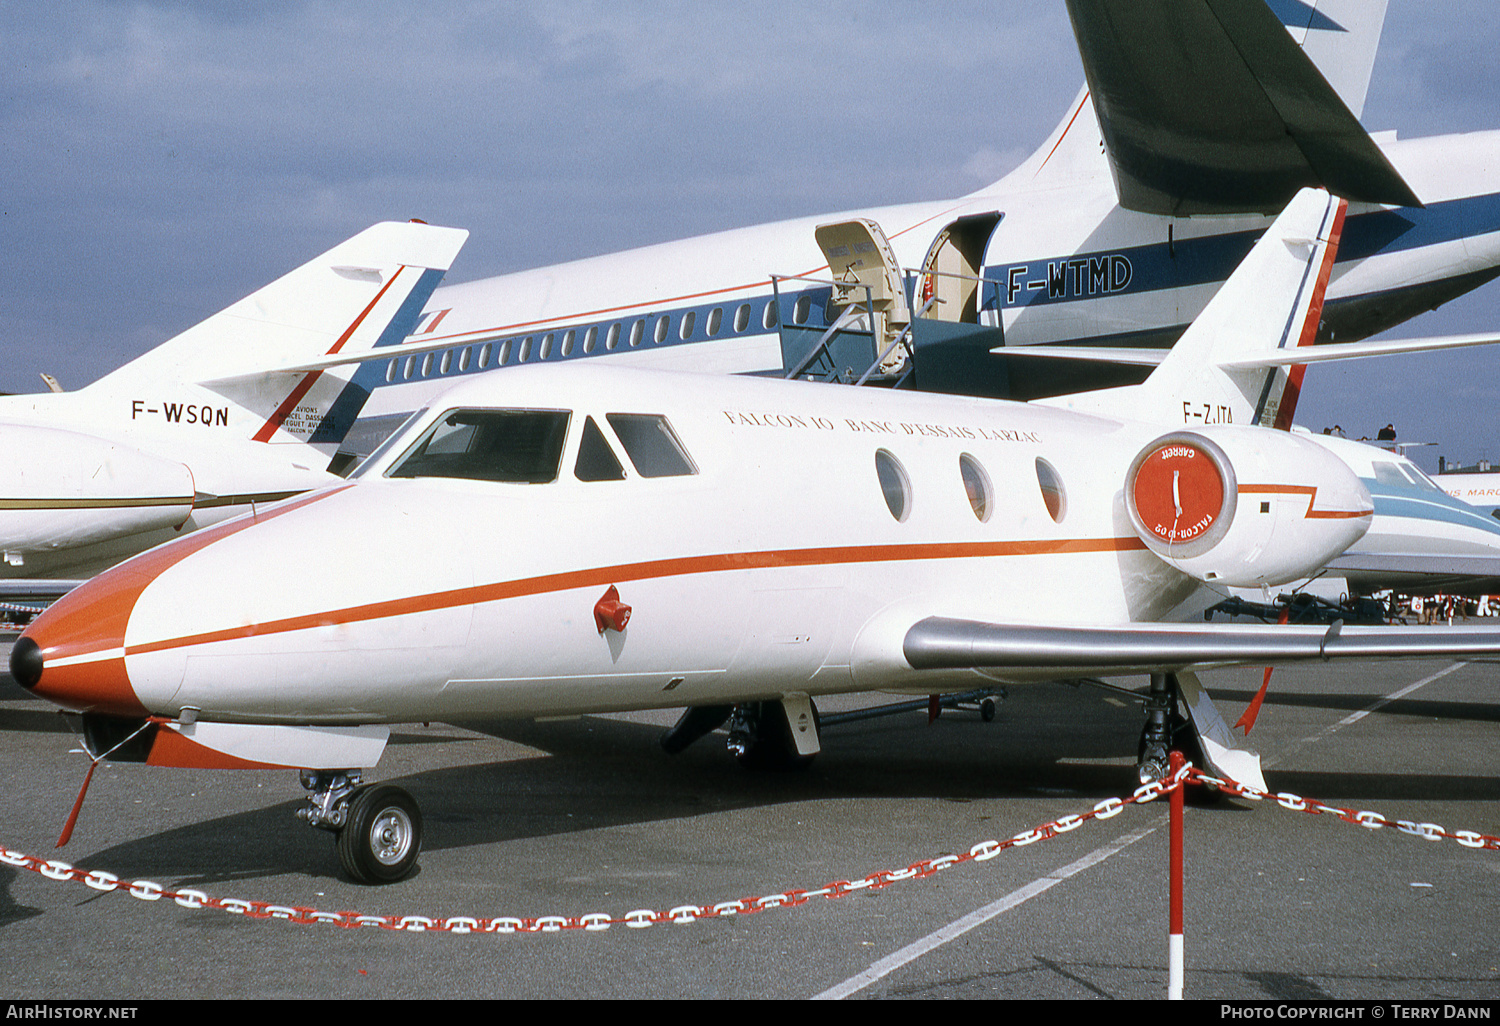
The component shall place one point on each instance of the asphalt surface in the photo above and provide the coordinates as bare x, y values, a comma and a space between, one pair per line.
589, 815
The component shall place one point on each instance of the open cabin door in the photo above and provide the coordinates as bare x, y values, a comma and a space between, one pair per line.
952, 270
951, 346
861, 261
859, 324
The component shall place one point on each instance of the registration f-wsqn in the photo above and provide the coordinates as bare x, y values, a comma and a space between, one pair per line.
557, 541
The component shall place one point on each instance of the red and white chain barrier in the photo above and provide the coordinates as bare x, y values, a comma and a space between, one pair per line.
682, 914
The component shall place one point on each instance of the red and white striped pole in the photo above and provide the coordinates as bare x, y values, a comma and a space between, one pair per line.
1174, 903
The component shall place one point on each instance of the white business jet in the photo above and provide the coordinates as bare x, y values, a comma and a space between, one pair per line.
565, 541
205, 427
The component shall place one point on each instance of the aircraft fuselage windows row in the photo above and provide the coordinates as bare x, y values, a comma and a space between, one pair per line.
896, 488
526, 447
566, 344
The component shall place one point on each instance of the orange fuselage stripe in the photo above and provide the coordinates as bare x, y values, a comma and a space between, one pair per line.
676, 567
1311, 492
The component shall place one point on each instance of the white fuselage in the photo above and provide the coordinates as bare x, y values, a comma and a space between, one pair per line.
1480, 489
95, 477
779, 565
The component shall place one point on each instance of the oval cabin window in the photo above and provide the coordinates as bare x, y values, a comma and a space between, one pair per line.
894, 484
1053, 494
976, 487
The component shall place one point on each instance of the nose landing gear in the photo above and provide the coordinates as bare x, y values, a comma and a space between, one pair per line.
378, 826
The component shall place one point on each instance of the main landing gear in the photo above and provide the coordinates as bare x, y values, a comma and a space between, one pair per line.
771, 736
776, 734
1166, 728
1180, 715
378, 826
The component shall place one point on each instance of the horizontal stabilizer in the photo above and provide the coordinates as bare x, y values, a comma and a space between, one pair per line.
395, 352
942, 643
1138, 357
1358, 350
1210, 107
1134, 357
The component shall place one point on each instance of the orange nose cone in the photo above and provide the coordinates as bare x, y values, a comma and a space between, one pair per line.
73, 654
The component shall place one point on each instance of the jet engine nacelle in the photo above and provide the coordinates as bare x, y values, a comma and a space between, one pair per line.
76, 489
1244, 506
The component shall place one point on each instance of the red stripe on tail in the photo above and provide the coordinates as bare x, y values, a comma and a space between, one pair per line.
269, 429
1288, 408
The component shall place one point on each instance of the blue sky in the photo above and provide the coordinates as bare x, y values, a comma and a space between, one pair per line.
161, 160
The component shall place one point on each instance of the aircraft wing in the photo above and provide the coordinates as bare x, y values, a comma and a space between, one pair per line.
1275, 358
30, 595
35, 589
1209, 106
1423, 573
1036, 651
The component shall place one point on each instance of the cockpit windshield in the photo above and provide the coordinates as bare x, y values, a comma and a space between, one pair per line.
515, 446
1403, 475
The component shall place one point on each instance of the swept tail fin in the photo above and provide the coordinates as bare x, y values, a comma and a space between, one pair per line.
1197, 49
1341, 37
365, 292
1272, 302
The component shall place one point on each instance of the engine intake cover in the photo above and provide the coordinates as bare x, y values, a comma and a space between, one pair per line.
1182, 494
1244, 506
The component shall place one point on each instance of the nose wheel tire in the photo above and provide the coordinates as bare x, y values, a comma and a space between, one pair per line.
382, 837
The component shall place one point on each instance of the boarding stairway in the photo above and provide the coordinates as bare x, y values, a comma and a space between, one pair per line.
856, 326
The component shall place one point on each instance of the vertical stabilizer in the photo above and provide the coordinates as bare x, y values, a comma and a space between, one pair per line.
1340, 37
1074, 151
1274, 300
365, 292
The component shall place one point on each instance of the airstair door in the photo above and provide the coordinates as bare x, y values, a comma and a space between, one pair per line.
868, 279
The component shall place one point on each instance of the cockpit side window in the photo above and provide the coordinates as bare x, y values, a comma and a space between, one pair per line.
515, 446
1421, 480
1403, 475
1390, 475
652, 445
390, 443
596, 460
